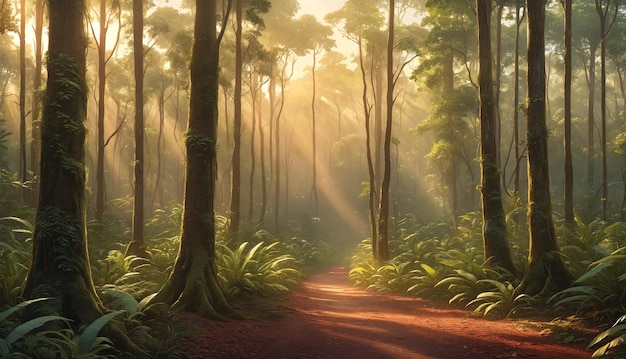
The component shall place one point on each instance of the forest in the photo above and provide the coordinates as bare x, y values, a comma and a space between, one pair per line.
166, 157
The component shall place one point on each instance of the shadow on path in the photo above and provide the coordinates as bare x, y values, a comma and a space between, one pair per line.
329, 318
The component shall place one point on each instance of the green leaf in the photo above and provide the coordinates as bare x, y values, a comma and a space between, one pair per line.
123, 300
88, 337
24, 328
19, 306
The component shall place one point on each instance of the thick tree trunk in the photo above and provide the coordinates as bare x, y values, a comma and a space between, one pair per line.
262, 160
193, 283
497, 251
60, 265
545, 264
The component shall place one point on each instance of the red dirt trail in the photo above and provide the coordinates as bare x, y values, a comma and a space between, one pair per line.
328, 318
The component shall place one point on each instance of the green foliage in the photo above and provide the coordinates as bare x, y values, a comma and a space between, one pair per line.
504, 300
585, 244
15, 251
259, 269
610, 342
600, 293
467, 280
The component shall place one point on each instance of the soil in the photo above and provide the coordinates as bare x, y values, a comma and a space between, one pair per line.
328, 318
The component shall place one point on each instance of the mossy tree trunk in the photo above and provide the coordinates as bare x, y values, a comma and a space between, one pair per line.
60, 265
497, 251
545, 264
193, 283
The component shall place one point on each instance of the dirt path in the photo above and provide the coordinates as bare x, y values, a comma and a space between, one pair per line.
331, 319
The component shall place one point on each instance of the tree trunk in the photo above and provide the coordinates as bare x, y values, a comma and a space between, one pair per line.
604, 32
383, 212
262, 160
136, 245
591, 120
22, 152
367, 110
568, 186
235, 193
193, 283
35, 145
545, 263
314, 140
497, 251
253, 95
101, 45
60, 265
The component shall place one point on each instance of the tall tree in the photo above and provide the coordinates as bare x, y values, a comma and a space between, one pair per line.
497, 251
22, 153
60, 264
193, 283
35, 145
544, 261
103, 59
136, 244
318, 40
355, 19
608, 15
383, 209
568, 180
235, 187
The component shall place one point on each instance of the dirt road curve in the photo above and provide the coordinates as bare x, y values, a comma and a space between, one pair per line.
331, 319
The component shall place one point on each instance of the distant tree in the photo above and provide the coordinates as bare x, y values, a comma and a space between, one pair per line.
35, 145
22, 100
586, 39
193, 283
318, 40
354, 20
544, 262
252, 10
136, 245
568, 182
608, 15
103, 58
497, 251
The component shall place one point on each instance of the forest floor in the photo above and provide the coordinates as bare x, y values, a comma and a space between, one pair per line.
329, 318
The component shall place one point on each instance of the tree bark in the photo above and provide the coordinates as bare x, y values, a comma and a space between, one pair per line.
235, 193
35, 145
497, 251
22, 152
136, 245
60, 264
568, 185
193, 283
101, 105
383, 212
545, 264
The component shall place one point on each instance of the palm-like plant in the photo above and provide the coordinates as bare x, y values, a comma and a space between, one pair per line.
611, 342
600, 292
259, 269
504, 300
